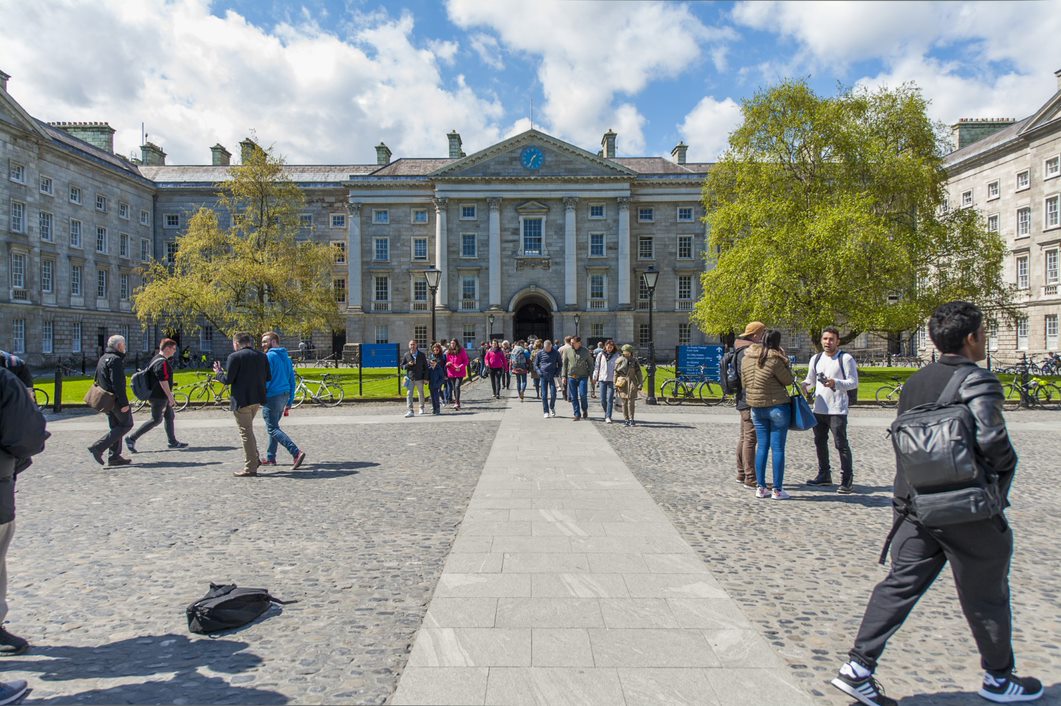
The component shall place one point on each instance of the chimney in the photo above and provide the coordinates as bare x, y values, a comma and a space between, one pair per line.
3, 80
99, 135
455, 151
969, 130
220, 156
608, 143
247, 149
151, 155
383, 154
679, 152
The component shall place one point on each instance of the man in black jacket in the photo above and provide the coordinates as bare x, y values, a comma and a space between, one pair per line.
414, 363
979, 551
18, 367
162, 402
247, 371
110, 375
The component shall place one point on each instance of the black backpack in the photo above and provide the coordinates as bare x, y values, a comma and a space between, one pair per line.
729, 377
852, 395
225, 607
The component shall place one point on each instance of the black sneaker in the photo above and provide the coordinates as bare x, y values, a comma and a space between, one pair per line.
97, 456
119, 461
131, 445
11, 645
845, 489
866, 691
177, 445
1010, 689
820, 480
11, 692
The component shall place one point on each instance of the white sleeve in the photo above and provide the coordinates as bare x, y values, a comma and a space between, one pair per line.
809, 381
850, 372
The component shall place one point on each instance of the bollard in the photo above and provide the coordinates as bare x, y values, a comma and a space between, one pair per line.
57, 396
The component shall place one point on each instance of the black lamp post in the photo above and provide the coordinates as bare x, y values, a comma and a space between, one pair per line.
490, 333
651, 277
432, 275
577, 320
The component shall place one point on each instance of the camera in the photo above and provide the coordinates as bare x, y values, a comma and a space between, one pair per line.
821, 378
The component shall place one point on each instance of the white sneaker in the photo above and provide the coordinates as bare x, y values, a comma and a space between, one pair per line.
552, 414
546, 415
421, 410
762, 492
607, 420
409, 414
780, 495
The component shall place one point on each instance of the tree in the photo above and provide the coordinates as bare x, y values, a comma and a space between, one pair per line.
254, 275
832, 211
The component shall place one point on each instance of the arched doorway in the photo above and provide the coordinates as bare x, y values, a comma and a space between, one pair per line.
532, 318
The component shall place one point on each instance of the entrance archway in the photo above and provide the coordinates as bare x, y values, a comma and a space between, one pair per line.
532, 318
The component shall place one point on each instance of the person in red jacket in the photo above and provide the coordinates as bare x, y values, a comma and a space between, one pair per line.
456, 369
496, 360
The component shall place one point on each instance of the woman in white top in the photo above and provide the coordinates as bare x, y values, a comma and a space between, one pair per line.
604, 377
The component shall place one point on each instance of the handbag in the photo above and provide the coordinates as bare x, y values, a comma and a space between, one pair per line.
802, 417
99, 399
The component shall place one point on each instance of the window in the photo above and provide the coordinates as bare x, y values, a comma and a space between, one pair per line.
172, 220
1022, 180
992, 336
123, 286
75, 195
339, 285
596, 330
1050, 211
967, 198
645, 215
101, 239
596, 211
145, 249
685, 287
123, 245
18, 271
468, 212
75, 233
992, 190
339, 252
45, 226
382, 336
171, 252
75, 280
123, 211
420, 249
382, 252
145, 218
992, 223
1022, 272
643, 336
19, 342
18, 217
420, 335
642, 294
75, 337
685, 247
532, 236
17, 172
468, 248
598, 292
469, 293
1024, 221
645, 250
101, 284
1052, 167
685, 214
47, 276
468, 336
46, 185
1022, 334
381, 216
1050, 266
685, 334
338, 220
305, 221
419, 216
420, 302
206, 338
596, 245
1050, 324
382, 288
101, 203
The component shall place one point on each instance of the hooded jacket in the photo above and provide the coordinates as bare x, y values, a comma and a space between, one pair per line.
281, 375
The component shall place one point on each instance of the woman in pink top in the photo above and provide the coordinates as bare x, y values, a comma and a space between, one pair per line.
496, 361
456, 369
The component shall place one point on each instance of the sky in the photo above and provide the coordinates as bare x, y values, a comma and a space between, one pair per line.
324, 81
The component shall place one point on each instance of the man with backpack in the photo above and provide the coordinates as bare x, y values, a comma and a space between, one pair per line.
17, 366
732, 385
954, 468
159, 374
833, 376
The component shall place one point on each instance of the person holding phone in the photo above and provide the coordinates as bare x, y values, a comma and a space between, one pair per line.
832, 375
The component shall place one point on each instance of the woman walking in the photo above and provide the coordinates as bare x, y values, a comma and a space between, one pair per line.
547, 363
534, 371
456, 368
517, 363
495, 362
506, 373
766, 375
628, 382
436, 377
604, 377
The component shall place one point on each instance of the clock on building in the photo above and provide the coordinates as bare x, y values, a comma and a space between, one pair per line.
531, 158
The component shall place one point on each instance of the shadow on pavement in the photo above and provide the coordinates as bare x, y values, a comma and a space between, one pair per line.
1051, 695
855, 498
209, 448
328, 469
173, 464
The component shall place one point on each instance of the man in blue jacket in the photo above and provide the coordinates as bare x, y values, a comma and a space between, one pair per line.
279, 396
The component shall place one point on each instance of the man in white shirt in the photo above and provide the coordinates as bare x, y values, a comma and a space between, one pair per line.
832, 374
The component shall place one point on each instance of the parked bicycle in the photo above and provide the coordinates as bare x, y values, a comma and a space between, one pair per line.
180, 397
326, 392
206, 391
41, 398
1034, 392
684, 387
888, 395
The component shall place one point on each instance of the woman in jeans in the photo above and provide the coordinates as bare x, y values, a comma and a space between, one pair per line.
766, 375
604, 377
547, 364
534, 371
456, 369
436, 377
628, 382
495, 361
517, 363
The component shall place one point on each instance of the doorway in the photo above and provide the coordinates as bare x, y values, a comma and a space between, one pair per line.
532, 319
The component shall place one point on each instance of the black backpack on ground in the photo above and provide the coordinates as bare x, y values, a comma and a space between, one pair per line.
729, 377
225, 607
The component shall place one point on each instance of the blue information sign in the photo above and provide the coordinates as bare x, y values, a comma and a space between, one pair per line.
379, 355
691, 358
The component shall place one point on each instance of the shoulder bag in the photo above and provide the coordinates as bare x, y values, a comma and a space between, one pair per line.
802, 417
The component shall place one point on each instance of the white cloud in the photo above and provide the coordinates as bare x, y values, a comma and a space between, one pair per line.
196, 79
488, 49
707, 126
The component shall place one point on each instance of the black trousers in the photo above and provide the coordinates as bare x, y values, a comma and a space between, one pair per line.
160, 411
979, 554
120, 424
495, 380
837, 424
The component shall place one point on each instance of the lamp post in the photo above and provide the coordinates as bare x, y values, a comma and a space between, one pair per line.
651, 277
577, 320
432, 275
490, 332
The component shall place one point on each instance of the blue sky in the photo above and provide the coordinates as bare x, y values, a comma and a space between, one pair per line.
325, 80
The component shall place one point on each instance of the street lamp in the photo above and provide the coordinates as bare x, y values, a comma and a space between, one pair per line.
577, 320
490, 333
650, 278
432, 275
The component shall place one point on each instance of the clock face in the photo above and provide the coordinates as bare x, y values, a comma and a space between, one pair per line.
531, 158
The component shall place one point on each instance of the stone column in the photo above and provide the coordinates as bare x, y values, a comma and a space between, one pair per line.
624, 252
570, 253
494, 300
353, 255
441, 243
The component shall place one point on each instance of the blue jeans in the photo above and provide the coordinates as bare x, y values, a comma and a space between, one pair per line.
548, 387
607, 397
272, 411
771, 432
521, 383
577, 391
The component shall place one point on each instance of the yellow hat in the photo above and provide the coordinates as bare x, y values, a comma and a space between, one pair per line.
754, 328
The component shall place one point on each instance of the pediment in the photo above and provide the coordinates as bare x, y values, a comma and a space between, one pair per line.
13, 114
1049, 112
531, 207
533, 155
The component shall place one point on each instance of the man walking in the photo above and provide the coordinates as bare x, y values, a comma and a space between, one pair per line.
753, 333
160, 370
561, 350
979, 550
414, 362
247, 372
279, 396
110, 375
547, 363
577, 367
832, 374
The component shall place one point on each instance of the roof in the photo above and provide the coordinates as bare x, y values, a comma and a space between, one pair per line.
1046, 117
654, 165
413, 166
298, 173
88, 150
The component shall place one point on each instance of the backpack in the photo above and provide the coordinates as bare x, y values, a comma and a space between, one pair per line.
729, 379
225, 607
143, 382
852, 395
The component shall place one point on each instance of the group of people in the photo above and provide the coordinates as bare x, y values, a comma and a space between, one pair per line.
442, 371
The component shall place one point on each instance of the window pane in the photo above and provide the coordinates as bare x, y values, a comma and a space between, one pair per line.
532, 236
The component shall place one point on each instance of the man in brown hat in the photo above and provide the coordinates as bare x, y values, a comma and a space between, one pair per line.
753, 333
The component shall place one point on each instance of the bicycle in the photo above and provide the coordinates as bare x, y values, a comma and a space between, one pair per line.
1033, 393
888, 395
328, 393
41, 398
180, 398
684, 387
208, 390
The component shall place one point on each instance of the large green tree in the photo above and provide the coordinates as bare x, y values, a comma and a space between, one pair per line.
255, 274
831, 210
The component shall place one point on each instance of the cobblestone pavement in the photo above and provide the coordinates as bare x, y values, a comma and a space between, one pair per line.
803, 569
105, 561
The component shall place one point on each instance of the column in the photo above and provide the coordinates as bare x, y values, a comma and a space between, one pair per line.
441, 243
624, 252
353, 255
570, 253
495, 253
